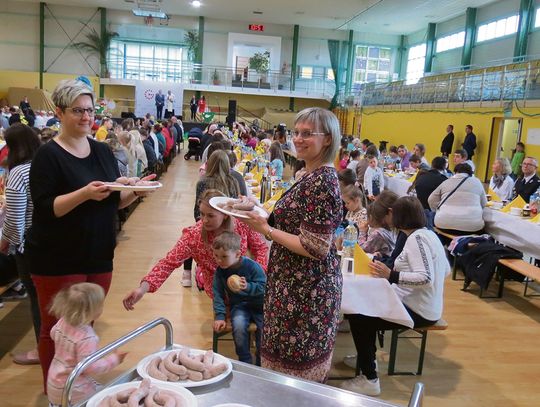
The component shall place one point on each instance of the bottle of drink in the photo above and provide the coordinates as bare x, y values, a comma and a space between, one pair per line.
350, 237
398, 165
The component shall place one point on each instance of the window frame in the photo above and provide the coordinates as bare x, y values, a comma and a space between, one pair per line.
447, 36
365, 71
412, 81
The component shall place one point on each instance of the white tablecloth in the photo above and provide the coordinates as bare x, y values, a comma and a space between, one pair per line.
373, 297
513, 231
397, 185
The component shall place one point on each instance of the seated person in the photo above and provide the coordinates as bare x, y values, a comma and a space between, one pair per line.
240, 282
354, 160
501, 182
459, 202
430, 180
415, 163
461, 157
528, 183
381, 237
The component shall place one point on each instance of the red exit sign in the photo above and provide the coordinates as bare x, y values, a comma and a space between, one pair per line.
256, 27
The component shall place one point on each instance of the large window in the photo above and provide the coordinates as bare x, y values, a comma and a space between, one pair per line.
415, 63
537, 19
372, 64
451, 41
499, 28
133, 60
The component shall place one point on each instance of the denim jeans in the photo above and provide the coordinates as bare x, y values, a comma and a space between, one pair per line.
241, 316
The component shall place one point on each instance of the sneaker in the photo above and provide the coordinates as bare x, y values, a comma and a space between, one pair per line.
350, 361
362, 385
186, 278
14, 294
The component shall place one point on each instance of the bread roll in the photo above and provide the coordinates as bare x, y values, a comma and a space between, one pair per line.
234, 283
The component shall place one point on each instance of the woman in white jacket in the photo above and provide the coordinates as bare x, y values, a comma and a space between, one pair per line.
418, 280
501, 182
459, 202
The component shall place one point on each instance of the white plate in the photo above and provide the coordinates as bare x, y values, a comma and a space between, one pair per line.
188, 397
143, 365
134, 188
222, 199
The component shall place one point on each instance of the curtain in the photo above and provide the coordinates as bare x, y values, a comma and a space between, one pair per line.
334, 50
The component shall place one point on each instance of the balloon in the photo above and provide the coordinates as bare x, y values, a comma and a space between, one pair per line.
111, 105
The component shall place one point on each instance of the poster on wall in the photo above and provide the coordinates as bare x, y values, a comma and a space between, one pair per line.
533, 137
145, 97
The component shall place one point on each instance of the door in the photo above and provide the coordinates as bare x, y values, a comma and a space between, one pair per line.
505, 133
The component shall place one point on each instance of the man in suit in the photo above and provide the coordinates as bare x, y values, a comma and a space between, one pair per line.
528, 183
160, 102
469, 144
448, 141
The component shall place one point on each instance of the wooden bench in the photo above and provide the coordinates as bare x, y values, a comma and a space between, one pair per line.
218, 336
441, 325
530, 271
451, 237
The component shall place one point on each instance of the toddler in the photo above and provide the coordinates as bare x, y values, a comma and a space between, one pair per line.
240, 282
373, 178
75, 339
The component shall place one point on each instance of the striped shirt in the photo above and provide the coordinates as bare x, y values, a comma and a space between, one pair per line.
19, 207
71, 345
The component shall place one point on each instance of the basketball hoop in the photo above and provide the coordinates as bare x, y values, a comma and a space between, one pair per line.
149, 21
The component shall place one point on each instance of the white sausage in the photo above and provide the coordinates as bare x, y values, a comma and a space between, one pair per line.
171, 377
216, 370
173, 367
153, 370
190, 363
139, 394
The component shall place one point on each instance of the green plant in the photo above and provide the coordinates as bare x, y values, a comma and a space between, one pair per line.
260, 62
99, 46
215, 76
191, 38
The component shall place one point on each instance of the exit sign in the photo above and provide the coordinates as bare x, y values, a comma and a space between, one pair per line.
256, 27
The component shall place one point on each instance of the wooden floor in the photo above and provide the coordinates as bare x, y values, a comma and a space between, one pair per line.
487, 357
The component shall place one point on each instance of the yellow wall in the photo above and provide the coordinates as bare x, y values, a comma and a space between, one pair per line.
428, 127
510, 136
31, 80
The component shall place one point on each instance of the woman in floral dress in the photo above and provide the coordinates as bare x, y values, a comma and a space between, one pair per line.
303, 293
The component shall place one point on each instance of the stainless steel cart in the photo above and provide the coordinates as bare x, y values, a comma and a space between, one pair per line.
247, 384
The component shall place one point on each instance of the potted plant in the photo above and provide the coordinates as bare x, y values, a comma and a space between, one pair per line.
260, 63
215, 78
191, 38
99, 46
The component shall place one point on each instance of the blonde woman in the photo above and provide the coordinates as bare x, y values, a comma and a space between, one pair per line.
138, 147
218, 176
501, 182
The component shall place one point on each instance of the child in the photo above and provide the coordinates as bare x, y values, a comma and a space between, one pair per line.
242, 281
381, 239
344, 161
373, 178
355, 159
277, 159
356, 213
517, 159
74, 339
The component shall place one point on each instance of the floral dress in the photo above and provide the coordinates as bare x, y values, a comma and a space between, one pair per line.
303, 294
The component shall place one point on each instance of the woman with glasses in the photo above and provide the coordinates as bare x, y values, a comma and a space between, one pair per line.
72, 237
303, 296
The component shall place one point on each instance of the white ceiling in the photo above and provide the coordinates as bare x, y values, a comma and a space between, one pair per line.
372, 16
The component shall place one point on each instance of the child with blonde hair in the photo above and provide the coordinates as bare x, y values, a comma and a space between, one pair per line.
75, 339
356, 213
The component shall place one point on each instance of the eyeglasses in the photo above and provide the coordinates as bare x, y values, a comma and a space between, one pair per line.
528, 165
305, 134
79, 111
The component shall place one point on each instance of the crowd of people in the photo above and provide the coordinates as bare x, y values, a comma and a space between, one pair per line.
286, 268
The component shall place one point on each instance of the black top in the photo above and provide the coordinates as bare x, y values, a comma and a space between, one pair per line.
426, 184
447, 144
526, 189
469, 144
83, 240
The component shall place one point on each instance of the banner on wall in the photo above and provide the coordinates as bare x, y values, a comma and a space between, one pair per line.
145, 97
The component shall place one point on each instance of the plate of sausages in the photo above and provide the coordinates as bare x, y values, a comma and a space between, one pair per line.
145, 393
185, 367
240, 208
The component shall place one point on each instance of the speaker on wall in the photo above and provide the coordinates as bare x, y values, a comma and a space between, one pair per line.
231, 115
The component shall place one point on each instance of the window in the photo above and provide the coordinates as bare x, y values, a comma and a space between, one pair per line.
306, 72
415, 63
330, 74
451, 42
132, 60
372, 64
499, 28
537, 19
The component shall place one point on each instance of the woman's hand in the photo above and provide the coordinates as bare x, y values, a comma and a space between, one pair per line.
379, 269
256, 222
96, 191
134, 296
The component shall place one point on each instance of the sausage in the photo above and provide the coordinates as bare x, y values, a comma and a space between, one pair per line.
171, 377
153, 370
114, 402
194, 375
190, 363
178, 400
123, 396
167, 399
139, 394
173, 367
149, 399
218, 369
105, 401
208, 359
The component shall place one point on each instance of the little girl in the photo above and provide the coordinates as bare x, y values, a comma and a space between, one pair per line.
517, 159
74, 339
373, 178
344, 161
277, 159
356, 213
381, 238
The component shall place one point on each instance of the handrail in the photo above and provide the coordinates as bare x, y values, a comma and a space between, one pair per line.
265, 123
417, 396
83, 364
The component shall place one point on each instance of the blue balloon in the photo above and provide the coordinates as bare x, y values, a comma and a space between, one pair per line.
86, 81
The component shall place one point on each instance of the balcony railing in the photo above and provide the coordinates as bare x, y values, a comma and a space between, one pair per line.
490, 85
185, 72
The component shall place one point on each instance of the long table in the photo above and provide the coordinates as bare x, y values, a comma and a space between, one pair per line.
398, 185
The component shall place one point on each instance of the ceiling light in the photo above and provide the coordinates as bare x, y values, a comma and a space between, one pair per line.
257, 12
149, 13
196, 3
